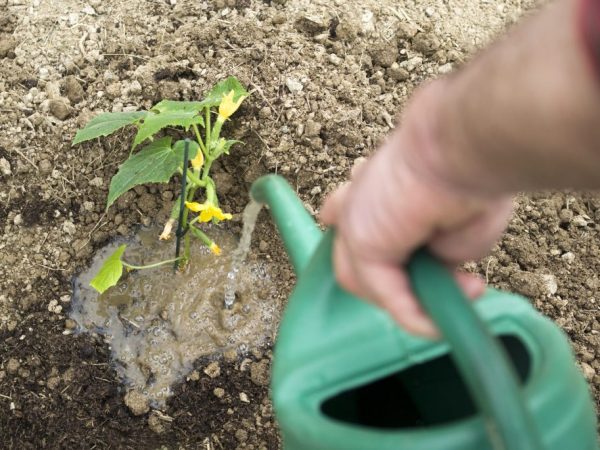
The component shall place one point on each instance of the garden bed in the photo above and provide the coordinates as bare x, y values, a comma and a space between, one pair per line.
328, 79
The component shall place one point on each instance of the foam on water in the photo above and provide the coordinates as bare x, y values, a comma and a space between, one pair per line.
158, 322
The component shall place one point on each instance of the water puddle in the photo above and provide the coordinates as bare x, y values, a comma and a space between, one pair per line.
158, 323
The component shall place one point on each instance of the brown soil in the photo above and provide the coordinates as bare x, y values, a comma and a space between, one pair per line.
328, 80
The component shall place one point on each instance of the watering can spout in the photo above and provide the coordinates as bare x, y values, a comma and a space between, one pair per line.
297, 228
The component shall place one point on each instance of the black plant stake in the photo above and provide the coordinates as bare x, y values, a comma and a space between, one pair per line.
180, 231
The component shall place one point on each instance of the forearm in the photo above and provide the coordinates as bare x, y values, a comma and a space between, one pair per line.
525, 114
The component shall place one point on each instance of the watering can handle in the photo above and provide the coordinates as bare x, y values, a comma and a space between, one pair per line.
482, 362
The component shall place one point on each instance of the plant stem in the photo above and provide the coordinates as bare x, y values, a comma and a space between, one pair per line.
206, 170
203, 237
149, 266
211, 191
199, 139
216, 131
208, 131
187, 241
175, 209
193, 177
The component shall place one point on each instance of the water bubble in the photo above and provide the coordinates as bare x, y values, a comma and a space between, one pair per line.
229, 299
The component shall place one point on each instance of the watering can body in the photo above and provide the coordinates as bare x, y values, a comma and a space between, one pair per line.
345, 376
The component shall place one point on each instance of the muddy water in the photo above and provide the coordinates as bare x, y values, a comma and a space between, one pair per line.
158, 322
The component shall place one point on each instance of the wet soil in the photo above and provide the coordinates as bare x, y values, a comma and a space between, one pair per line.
328, 79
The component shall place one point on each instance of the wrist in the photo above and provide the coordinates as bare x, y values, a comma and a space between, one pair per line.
434, 144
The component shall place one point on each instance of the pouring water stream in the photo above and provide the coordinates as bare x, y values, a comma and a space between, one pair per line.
239, 255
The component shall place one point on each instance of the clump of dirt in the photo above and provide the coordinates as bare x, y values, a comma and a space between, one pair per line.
327, 81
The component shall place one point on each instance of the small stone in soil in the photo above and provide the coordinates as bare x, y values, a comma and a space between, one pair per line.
294, 85
219, 392
529, 284
241, 435
588, 371
156, 424
407, 30
580, 221
5, 167
263, 246
7, 47
265, 112
59, 109
568, 257
73, 89
53, 382
565, 215
397, 73
312, 128
213, 370
445, 69
136, 402
45, 167
384, 55
230, 355
311, 25
259, 373
13, 365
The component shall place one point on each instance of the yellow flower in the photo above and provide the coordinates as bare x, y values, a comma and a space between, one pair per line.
198, 160
207, 211
215, 249
228, 106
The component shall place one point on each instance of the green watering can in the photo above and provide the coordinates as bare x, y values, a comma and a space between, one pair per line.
346, 377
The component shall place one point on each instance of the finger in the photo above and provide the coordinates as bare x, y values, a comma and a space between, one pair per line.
343, 269
473, 239
387, 284
472, 285
333, 205
358, 166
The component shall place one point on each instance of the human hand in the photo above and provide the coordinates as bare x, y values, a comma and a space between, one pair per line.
400, 200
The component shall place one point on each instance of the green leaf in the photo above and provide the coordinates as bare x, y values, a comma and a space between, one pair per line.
155, 163
179, 149
107, 123
214, 96
224, 145
110, 272
174, 105
228, 145
154, 122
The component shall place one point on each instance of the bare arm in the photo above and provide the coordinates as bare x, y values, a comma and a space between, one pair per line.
525, 114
